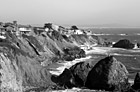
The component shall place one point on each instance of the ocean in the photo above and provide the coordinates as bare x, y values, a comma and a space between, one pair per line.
115, 34
130, 58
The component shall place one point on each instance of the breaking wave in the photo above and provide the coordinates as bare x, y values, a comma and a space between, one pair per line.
116, 54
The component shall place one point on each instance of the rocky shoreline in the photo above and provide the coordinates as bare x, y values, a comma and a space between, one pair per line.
27, 64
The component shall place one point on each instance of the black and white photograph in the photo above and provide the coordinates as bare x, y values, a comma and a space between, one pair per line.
69, 45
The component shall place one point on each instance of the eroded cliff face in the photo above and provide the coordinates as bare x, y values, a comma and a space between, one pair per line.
24, 60
83, 39
19, 70
10, 75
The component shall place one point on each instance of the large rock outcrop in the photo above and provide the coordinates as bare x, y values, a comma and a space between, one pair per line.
72, 53
126, 44
107, 74
136, 84
66, 79
80, 72
75, 76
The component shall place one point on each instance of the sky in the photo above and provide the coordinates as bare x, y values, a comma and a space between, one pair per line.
71, 12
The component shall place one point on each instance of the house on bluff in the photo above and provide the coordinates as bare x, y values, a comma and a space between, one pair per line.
24, 29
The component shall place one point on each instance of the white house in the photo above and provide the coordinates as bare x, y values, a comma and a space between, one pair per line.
46, 29
78, 32
24, 29
55, 27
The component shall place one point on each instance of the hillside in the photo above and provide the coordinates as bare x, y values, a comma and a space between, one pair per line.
25, 58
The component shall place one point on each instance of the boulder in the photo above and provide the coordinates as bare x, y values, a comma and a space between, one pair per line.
65, 80
107, 74
136, 84
138, 45
80, 72
126, 44
72, 53
74, 27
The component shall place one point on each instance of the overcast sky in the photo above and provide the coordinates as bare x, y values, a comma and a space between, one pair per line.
78, 12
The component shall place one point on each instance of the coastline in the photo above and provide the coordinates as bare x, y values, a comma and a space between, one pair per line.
96, 50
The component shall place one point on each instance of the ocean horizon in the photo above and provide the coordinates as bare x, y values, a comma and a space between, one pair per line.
116, 34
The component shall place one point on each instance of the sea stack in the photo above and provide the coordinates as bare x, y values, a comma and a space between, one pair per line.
107, 74
124, 43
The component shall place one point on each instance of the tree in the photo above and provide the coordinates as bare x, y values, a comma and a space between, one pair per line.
74, 27
48, 25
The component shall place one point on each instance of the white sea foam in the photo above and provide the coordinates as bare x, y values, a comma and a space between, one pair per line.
116, 54
137, 33
102, 50
131, 81
134, 50
68, 64
2, 37
95, 50
134, 68
101, 34
122, 34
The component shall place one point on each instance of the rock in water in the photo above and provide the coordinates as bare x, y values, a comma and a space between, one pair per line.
80, 72
136, 84
65, 80
126, 44
107, 74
